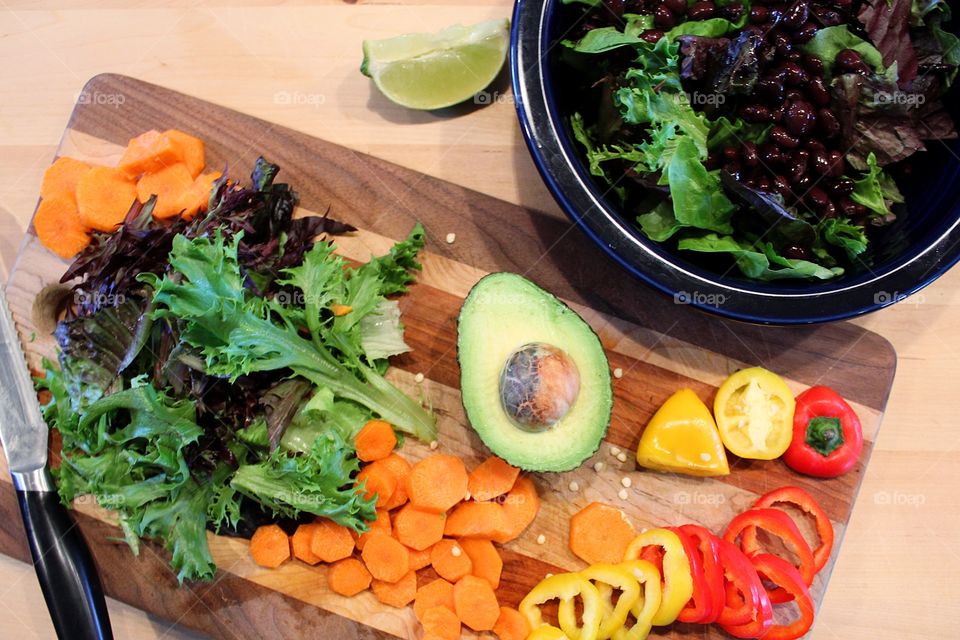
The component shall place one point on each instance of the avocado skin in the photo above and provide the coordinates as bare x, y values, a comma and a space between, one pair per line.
582, 442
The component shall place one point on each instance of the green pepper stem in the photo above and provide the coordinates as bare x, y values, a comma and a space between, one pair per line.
824, 435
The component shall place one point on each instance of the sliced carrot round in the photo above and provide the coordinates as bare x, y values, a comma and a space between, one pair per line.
441, 622
302, 540
485, 558
331, 541
375, 441
378, 482
387, 560
270, 546
492, 478
600, 533
418, 529
60, 179
189, 149
104, 196
475, 603
511, 625
438, 482
520, 506
59, 228
173, 185
449, 560
433, 594
348, 577
380, 525
396, 593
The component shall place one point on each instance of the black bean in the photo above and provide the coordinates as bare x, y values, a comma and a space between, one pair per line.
770, 154
800, 118
780, 39
756, 113
805, 33
837, 165
652, 35
849, 61
777, 115
793, 74
840, 187
731, 154
843, 4
861, 210
703, 10
763, 183
816, 146
767, 52
798, 164
663, 18
732, 11
828, 17
794, 56
782, 186
759, 14
679, 7
847, 207
749, 155
817, 199
796, 14
829, 125
770, 90
775, 17
820, 163
818, 92
794, 95
781, 137
803, 183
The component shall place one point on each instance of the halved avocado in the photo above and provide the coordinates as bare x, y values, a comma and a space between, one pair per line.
534, 379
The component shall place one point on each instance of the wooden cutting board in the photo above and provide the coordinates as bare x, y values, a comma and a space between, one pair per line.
660, 347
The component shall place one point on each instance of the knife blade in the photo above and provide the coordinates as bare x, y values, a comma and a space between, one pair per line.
65, 569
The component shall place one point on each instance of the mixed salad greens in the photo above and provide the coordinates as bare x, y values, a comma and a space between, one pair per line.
216, 370
765, 133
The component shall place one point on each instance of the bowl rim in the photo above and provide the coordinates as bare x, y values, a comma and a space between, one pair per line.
568, 181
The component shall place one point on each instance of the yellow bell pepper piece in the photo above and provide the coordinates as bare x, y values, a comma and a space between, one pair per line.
677, 578
604, 576
754, 410
647, 604
565, 586
682, 437
547, 632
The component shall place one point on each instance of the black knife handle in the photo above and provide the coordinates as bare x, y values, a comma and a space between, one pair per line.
68, 577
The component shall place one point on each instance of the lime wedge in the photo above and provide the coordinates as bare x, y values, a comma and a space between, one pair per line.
436, 70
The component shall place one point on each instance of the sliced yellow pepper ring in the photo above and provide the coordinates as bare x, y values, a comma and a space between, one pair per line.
677, 579
565, 586
754, 411
604, 577
646, 605
547, 632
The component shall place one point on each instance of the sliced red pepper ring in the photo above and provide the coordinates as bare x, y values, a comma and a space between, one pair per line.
777, 570
708, 597
805, 502
781, 525
758, 627
744, 594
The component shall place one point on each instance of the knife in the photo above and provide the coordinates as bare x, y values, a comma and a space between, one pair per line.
68, 577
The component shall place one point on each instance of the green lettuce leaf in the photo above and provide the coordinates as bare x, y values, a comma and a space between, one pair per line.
830, 41
698, 198
876, 190
841, 233
764, 264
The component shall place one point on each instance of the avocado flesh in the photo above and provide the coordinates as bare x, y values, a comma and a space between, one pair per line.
502, 313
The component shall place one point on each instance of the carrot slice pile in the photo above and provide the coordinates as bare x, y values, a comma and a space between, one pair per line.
60, 179
148, 152
435, 516
58, 226
172, 185
104, 196
189, 149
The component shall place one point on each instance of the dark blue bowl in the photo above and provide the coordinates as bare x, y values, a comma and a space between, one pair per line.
904, 257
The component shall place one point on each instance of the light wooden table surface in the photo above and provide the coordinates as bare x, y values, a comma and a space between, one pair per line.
296, 64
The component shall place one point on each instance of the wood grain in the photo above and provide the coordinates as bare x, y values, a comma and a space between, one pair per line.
661, 346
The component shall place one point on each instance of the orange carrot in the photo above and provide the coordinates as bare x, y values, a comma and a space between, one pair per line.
397, 593
600, 533
348, 577
60, 179
331, 541
189, 149
380, 525
386, 559
104, 196
441, 622
520, 506
449, 560
196, 199
150, 151
375, 441
380, 482
475, 603
172, 185
418, 529
433, 594
400, 469
419, 559
476, 520
511, 625
487, 563
438, 483
270, 546
302, 541
492, 478
59, 228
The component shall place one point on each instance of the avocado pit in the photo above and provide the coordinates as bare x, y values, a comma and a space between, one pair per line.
539, 384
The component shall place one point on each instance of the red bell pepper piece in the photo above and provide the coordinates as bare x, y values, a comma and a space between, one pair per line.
712, 600
827, 436
781, 525
803, 500
781, 572
745, 597
699, 608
